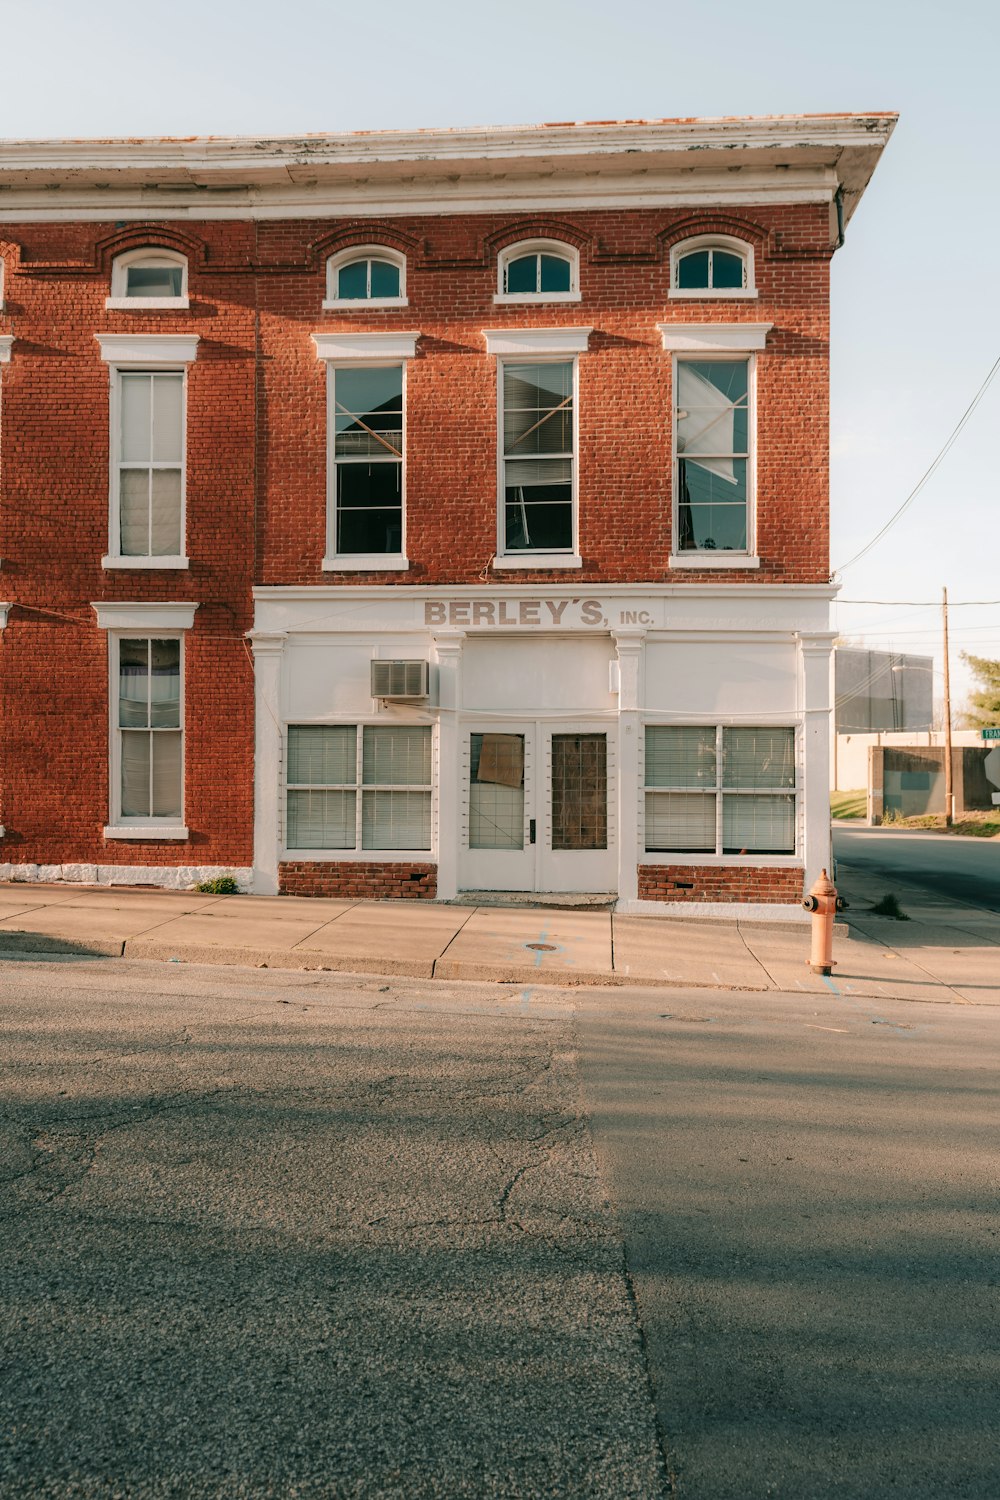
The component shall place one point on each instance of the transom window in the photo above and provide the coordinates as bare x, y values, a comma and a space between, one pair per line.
538, 270
353, 786
538, 455
369, 273
717, 790
712, 266
149, 278
366, 421
712, 451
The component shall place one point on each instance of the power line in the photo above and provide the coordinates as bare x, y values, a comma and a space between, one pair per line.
927, 474
919, 603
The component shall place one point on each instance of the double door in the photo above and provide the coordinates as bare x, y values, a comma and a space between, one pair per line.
537, 807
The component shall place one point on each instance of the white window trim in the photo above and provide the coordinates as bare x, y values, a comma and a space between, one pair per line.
366, 348
144, 619
135, 353
6, 345
358, 855
360, 562
756, 861
540, 341
713, 338
158, 255
538, 354
141, 828
558, 248
5, 605
734, 246
708, 560
333, 303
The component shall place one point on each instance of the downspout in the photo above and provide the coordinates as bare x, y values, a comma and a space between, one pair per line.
838, 199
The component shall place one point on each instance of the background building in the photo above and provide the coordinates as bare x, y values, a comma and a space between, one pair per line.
503, 454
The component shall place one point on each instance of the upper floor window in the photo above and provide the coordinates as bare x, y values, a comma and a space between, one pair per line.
712, 266
149, 278
538, 271
712, 449
369, 274
365, 516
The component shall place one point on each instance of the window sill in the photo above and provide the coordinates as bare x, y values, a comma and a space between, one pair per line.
537, 560
147, 304
367, 562
146, 831
145, 562
526, 299
704, 293
361, 304
706, 561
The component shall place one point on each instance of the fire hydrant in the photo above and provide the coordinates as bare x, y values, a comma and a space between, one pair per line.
824, 903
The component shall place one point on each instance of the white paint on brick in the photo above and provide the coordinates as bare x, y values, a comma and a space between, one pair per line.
173, 877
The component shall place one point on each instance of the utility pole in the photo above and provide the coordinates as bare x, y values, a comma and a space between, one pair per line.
949, 799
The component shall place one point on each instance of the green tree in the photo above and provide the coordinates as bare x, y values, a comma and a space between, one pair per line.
983, 708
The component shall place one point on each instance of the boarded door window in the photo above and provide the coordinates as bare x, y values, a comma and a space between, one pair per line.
496, 791
579, 791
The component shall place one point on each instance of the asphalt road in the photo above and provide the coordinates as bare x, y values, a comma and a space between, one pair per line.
269, 1236
809, 1191
962, 869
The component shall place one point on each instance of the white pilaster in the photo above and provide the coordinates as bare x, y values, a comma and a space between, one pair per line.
630, 646
815, 648
268, 649
448, 654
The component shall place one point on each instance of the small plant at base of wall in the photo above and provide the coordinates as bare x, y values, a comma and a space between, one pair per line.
222, 885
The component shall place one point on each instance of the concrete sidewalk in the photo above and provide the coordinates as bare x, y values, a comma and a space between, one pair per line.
946, 953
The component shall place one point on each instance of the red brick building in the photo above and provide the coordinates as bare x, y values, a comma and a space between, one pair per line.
407, 513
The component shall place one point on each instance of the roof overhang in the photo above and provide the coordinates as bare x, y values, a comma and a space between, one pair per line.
640, 163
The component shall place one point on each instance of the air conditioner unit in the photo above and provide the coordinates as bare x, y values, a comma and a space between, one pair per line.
400, 679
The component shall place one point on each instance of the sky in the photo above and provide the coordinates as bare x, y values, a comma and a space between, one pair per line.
916, 309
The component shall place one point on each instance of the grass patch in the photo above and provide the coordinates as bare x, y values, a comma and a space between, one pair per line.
889, 907
977, 825
849, 804
895, 819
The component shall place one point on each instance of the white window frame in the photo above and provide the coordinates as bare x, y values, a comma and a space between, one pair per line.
333, 303
729, 243
537, 346
373, 350
558, 248
156, 255
791, 860
143, 354
160, 622
359, 855
723, 341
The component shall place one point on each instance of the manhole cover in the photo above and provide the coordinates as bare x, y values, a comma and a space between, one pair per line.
541, 947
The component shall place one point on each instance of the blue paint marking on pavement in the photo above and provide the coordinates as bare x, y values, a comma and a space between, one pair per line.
866, 1010
830, 984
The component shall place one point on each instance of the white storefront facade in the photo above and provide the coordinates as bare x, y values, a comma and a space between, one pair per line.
561, 740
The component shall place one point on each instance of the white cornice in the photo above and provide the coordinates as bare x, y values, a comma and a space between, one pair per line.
148, 348
791, 158
362, 346
536, 340
704, 338
144, 616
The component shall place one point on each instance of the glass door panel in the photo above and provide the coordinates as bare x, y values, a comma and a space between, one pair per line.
496, 791
579, 791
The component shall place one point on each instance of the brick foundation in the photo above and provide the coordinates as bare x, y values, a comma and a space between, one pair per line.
358, 882
719, 883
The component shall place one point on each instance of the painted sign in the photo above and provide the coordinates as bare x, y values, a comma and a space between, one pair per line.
991, 734
549, 614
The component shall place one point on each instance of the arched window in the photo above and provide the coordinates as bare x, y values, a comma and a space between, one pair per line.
369, 274
538, 271
712, 266
149, 277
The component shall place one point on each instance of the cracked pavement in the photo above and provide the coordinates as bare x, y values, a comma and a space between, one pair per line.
266, 1235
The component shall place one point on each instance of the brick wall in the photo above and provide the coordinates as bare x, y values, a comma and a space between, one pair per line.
719, 883
256, 460
367, 881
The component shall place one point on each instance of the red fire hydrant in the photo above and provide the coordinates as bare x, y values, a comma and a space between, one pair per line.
824, 903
